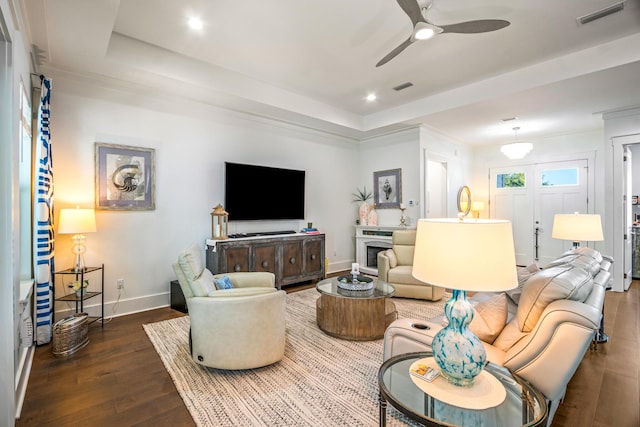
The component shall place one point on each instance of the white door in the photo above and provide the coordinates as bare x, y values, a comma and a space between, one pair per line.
436, 189
561, 188
529, 196
511, 197
628, 216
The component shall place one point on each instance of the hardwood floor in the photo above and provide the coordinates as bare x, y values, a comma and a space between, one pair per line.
119, 380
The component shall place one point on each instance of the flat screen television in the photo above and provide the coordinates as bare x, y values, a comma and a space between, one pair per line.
254, 192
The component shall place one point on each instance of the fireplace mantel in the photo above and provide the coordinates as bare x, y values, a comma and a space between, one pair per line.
376, 237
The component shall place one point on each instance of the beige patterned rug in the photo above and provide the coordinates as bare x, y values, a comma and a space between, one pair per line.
322, 381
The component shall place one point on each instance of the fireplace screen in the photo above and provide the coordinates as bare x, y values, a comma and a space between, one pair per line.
372, 255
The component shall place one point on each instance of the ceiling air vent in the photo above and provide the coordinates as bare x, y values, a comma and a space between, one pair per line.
402, 86
590, 17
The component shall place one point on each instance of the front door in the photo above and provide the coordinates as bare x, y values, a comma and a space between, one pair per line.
530, 195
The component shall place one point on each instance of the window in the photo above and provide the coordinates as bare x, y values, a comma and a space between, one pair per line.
510, 180
25, 185
559, 177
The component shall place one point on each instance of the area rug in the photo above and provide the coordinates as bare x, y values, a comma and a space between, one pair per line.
321, 381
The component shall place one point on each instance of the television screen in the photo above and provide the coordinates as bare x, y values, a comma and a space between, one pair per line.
254, 192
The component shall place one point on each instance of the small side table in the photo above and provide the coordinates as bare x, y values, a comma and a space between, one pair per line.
85, 294
524, 405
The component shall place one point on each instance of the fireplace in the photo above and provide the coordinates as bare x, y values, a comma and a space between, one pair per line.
372, 253
369, 241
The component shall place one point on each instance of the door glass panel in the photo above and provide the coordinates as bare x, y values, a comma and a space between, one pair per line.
559, 177
510, 180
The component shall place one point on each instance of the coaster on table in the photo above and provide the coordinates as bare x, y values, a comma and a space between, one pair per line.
486, 392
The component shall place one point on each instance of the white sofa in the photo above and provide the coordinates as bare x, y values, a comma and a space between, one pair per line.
395, 266
238, 328
550, 320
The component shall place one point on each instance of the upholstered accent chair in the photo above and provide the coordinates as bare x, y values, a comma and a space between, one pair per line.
237, 319
395, 265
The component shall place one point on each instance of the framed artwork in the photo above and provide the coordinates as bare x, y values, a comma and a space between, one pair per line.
124, 177
387, 189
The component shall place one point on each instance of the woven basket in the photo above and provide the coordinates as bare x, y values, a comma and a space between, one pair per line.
70, 334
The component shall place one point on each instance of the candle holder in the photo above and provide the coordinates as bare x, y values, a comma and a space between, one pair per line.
403, 219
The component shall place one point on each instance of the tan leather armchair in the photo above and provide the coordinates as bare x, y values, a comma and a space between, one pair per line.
238, 328
395, 266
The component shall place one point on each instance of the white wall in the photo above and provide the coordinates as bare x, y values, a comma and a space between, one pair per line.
191, 143
400, 150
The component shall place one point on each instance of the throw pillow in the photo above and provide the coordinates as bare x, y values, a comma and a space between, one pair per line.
393, 260
524, 273
489, 318
203, 285
224, 282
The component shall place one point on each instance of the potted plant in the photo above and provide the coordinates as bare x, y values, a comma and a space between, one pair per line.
362, 196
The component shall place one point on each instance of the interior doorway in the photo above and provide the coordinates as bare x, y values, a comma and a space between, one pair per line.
436, 188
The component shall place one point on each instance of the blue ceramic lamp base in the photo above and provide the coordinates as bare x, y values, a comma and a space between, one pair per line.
457, 351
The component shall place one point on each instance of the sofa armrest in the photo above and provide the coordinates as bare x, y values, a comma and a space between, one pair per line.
549, 355
384, 266
409, 335
250, 279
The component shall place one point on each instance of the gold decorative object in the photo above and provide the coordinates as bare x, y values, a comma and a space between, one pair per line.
219, 223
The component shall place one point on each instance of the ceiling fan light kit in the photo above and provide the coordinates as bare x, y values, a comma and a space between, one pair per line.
423, 29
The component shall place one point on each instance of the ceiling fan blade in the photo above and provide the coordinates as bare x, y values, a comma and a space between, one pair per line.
412, 9
395, 52
474, 27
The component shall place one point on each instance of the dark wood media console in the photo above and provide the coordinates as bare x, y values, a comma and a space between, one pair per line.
293, 258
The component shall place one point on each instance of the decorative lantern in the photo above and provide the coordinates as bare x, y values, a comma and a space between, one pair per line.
219, 223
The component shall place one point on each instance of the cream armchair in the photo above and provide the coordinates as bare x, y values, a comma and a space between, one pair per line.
395, 266
238, 328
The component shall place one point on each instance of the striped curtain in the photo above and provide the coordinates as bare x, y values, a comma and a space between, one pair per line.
43, 219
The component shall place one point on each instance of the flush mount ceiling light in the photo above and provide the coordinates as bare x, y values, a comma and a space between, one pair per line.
195, 23
516, 150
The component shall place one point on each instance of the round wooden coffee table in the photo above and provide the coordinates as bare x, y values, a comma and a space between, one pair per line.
355, 315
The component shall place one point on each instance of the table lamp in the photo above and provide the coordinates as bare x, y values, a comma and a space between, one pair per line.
77, 221
476, 208
577, 227
463, 255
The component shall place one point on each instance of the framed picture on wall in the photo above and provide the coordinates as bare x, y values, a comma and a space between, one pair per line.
387, 188
124, 177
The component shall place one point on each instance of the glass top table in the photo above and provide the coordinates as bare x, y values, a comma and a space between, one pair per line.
523, 406
381, 289
355, 315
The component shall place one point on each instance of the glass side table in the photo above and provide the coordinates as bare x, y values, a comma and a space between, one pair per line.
523, 406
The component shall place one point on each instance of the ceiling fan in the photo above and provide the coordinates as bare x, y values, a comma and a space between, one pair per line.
423, 29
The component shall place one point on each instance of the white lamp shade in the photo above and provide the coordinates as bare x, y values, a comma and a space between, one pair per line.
77, 221
577, 227
471, 255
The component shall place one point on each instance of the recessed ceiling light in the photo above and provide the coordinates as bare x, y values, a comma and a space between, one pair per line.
371, 97
195, 23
